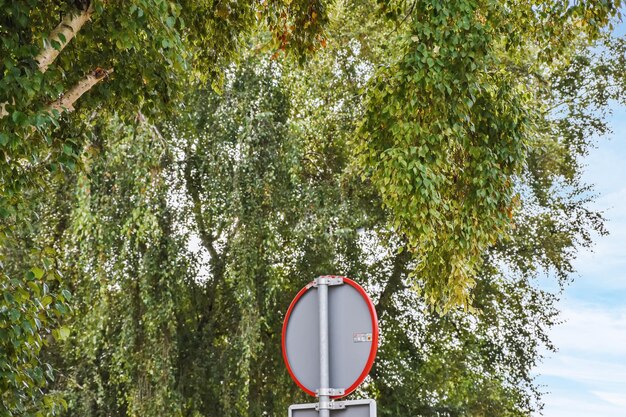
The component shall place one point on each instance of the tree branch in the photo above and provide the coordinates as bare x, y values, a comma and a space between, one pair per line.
58, 39
206, 236
66, 102
384, 303
61, 36
3, 110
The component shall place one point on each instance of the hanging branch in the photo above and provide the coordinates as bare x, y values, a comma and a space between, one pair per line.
385, 303
66, 102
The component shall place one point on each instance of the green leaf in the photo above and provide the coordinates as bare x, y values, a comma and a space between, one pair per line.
19, 118
37, 272
66, 294
14, 315
64, 333
46, 300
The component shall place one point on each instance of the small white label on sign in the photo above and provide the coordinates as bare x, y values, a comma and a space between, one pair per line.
361, 337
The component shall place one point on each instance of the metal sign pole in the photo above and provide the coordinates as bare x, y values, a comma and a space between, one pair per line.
324, 398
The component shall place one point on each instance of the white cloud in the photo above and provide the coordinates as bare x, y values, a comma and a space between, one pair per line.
580, 387
587, 377
564, 406
589, 372
591, 329
614, 398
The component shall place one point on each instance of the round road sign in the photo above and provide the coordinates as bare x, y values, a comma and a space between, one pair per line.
352, 333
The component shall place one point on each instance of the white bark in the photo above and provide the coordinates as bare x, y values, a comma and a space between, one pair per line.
66, 102
67, 29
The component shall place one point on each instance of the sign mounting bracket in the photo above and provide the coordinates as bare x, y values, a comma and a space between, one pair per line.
330, 391
327, 280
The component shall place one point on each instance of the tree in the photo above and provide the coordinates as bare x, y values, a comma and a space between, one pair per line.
65, 65
261, 177
265, 178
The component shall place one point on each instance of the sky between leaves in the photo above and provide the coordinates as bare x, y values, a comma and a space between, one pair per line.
587, 377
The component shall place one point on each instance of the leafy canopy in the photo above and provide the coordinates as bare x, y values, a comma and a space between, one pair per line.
421, 149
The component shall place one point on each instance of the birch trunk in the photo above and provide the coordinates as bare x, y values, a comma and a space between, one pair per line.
66, 102
62, 34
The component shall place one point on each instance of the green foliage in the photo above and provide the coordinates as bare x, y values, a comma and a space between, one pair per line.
425, 146
29, 312
460, 364
260, 179
154, 48
126, 303
450, 121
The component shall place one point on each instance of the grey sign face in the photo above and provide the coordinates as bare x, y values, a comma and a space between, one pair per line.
353, 334
356, 408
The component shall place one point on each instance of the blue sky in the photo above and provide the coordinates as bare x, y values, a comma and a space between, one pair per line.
587, 377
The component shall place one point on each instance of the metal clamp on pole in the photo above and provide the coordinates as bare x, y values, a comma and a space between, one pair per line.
327, 280
330, 405
323, 405
329, 391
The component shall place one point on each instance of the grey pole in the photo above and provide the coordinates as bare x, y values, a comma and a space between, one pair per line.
324, 400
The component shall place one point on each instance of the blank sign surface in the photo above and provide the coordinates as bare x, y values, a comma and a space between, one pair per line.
353, 337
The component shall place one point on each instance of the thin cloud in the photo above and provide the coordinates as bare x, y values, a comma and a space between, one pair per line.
587, 372
571, 407
591, 330
618, 399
